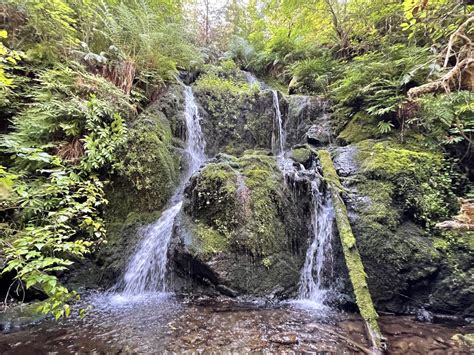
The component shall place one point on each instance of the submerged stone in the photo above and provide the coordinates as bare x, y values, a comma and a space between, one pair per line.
20, 316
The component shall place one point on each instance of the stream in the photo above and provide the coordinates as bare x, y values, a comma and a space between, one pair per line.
162, 322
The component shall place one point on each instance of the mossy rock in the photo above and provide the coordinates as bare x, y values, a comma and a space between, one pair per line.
359, 128
409, 264
149, 166
243, 226
237, 116
304, 114
421, 178
303, 155
244, 198
454, 286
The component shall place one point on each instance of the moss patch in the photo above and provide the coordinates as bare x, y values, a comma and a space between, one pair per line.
209, 241
421, 178
378, 211
359, 128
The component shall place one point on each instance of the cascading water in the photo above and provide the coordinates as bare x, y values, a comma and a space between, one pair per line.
146, 271
319, 254
251, 79
278, 139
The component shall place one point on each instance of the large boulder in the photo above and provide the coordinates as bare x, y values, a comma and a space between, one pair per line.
308, 121
234, 120
395, 195
242, 229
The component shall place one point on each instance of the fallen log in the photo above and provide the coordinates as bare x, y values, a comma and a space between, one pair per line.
352, 257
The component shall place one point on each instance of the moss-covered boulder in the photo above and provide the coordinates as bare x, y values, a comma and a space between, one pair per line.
304, 155
242, 229
394, 196
359, 128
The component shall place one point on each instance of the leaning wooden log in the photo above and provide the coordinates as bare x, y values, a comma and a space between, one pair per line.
352, 257
455, 225
460, 76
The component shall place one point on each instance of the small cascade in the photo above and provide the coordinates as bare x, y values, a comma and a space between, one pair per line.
319, 254
251, 79
146, 271
278, 138
312, 286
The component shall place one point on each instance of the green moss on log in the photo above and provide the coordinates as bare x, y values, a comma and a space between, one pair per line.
354, 263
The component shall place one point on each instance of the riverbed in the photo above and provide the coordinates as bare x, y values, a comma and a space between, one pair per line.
167, 323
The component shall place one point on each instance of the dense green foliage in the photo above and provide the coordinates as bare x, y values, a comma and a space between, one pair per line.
73, 75
365, 56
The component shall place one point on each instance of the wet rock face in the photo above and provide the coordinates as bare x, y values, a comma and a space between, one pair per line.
235, 122
409, 264
242, 229
308, 121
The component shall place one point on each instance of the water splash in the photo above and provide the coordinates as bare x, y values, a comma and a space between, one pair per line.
146, 271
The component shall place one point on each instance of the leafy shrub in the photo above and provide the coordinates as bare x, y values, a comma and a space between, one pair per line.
8, 60
139, 32
449, 117
241, 51
69, 132
315, 74
376, 82
212, 83
50, 29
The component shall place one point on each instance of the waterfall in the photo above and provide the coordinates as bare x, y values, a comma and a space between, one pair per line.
146, 270
319, 254
278, 139
318, 261
251, 79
